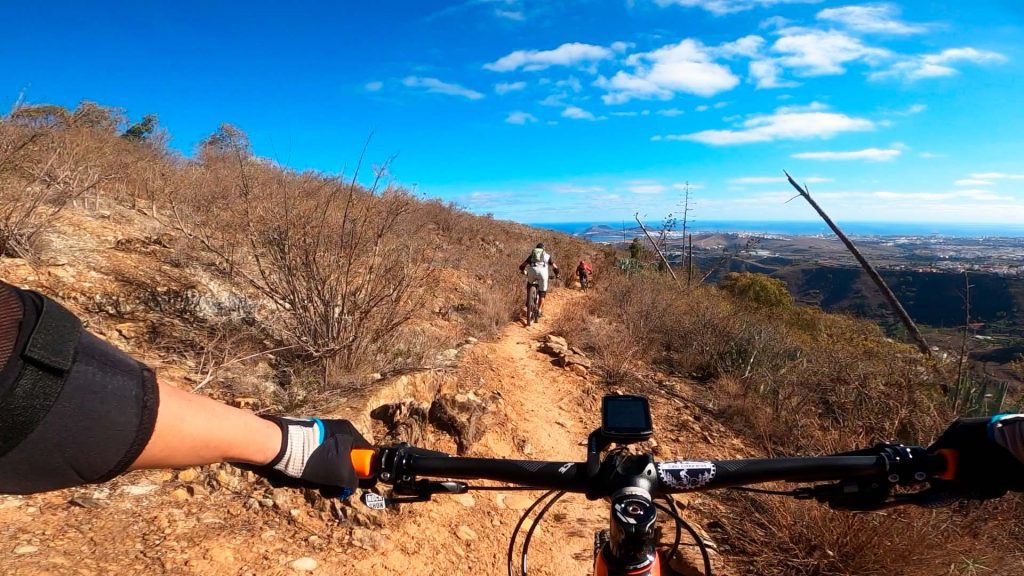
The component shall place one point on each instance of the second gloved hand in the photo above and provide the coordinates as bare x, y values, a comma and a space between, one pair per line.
989, 455
315, 454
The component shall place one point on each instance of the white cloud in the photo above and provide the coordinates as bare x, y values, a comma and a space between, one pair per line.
981, 195
937, 65
645, 187
685, 185
720, 7
577, 113
374, 86
572, 83
554, 99
869, 154
622, 46
506, 87
516, 15
973, 182
814, 106
782, 125
776, 180
931, 155
747, 47
438, 87
766, 74
997, 176
702, 108
569, 54
687, 67
879, 18
775, 23
670, 112
576, 189
810, 52
632, 113
520, 117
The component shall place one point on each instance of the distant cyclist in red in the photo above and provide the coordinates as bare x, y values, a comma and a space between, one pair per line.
583, 272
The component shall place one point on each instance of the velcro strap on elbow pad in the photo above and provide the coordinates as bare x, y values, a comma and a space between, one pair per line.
48, 357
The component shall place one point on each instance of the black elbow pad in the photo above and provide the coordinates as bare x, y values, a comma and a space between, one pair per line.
73, 409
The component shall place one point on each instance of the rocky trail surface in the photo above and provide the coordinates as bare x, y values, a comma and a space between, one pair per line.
216, 520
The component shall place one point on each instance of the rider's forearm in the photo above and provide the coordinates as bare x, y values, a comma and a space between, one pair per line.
192, 430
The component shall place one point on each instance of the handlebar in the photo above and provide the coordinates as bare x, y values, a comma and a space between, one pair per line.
889, 464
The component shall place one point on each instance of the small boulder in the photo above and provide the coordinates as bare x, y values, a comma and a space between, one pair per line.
465, 416
554, 345
466, 533
304, 564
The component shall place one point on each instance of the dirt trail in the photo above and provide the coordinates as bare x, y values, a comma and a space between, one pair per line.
547, 415
156, 522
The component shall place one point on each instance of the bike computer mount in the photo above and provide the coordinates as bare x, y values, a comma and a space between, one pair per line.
625, 419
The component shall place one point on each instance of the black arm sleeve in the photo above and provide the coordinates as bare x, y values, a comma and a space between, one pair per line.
68, 423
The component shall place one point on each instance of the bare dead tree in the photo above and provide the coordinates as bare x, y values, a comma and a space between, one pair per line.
686, 208
963, 344
887, 293
656, 248
689, 260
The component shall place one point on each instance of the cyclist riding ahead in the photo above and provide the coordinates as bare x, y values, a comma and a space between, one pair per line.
536, 269
583, 272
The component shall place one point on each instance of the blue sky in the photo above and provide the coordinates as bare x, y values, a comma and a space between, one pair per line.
575, 110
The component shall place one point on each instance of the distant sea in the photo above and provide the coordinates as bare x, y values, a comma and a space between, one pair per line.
804, 228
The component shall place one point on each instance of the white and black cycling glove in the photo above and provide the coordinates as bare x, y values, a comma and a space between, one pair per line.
315, 453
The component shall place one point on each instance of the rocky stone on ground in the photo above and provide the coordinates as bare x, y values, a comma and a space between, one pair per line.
304, 564
404, 421
465, 416
568, 357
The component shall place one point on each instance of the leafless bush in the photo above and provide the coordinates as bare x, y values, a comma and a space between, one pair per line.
337, 261
41, 173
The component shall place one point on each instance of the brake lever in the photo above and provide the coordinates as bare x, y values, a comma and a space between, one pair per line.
412, 492
851, 496
873, 496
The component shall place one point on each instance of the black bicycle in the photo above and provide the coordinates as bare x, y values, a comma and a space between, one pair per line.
639, 488
532, 301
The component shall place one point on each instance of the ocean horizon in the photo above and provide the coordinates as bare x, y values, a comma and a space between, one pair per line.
805, 228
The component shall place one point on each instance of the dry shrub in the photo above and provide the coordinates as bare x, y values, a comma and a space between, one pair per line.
492, 303
340, 264
347, 274
41, 173
794, 381
775, 537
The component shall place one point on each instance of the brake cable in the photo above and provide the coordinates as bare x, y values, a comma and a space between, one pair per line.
515, 531
679, 529
536, 522
705, 555
793, 493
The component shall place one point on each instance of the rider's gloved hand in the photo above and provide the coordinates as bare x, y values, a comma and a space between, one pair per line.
315, 454
989, 455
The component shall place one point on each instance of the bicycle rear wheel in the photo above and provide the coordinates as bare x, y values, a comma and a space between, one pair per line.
532, 311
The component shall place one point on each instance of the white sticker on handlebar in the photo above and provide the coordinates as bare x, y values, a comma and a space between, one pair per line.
686, 475
374, 501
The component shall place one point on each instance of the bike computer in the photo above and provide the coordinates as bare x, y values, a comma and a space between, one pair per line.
626, 419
